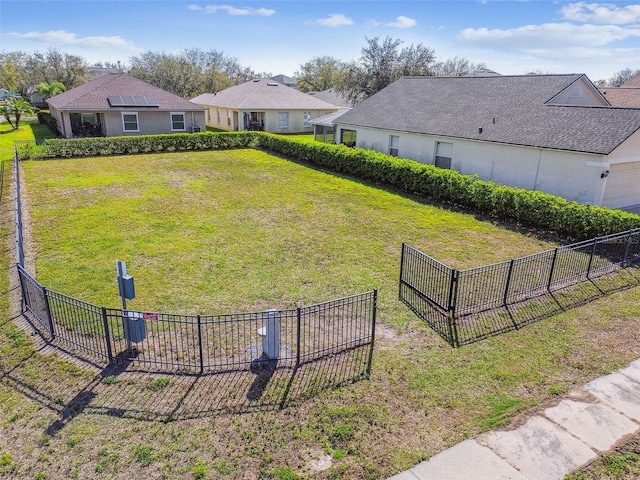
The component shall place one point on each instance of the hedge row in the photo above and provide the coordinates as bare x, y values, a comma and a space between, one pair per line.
97, 146
532, 208
48, 120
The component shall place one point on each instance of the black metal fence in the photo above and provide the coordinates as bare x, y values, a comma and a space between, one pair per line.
198, 343
427, 284
202, 343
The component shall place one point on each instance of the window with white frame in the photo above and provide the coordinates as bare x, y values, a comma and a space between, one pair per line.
130, 122
229, 118
306, 119
444, 153
218, 115
208, 114
394, 145
283, 119
178, 122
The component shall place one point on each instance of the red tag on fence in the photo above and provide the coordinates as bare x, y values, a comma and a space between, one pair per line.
150, 316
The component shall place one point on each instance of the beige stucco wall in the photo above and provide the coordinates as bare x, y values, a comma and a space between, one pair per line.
148, 122
575, 176
296, 119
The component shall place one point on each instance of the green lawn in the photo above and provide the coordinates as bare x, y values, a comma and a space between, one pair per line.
214, 232
29, 130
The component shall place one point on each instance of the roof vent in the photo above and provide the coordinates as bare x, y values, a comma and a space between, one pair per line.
272, 84
255, 80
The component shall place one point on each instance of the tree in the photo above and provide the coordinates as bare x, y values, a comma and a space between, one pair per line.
15, 106
48, 90
190, 72
457, 67
619, 78
56, 66
320, 73
380, 64
14, 74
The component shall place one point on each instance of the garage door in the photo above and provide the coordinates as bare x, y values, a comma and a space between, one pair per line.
623, 185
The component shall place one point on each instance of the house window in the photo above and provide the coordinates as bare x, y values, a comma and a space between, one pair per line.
307, 119
394, 144
130, 122
88, 118
177, 121
444, 153
283, 119
218, 115
208, 114
229, 118
348, 137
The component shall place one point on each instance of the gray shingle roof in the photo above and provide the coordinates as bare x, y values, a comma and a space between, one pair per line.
509, 109
262, 94
93, 95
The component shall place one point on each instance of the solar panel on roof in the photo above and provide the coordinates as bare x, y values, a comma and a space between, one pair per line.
133, 101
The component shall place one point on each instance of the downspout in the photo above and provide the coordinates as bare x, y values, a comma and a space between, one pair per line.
535, 180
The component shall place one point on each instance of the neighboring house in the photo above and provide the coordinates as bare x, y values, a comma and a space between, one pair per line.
119, 104
331, 96
4, 94
263, 104
283, 79
324, 129
627, 95
552, 133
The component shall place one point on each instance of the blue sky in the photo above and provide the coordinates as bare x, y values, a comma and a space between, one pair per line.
277, 36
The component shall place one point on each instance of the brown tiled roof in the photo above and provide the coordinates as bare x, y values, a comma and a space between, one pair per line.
93, 95
263, 94
622, 96
504, 109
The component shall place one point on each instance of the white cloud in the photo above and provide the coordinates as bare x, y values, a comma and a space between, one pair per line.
62, 37
552, 36
601, 13
402, 22
261, 12
334, 20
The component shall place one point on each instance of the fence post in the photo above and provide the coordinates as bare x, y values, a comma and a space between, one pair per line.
625, 254
593, 252
373, 331
48, 312
453, 300
553, 266
107, 334
506, 290
200, 344
401, 271
299, 321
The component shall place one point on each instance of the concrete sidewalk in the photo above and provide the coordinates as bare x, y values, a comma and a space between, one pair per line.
549, 445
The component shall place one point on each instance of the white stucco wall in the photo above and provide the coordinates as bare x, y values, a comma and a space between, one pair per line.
575, 176
622, 185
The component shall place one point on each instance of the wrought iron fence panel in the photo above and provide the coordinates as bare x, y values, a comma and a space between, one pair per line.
333, 326
423, 275
34, 299
78, 323
481, 288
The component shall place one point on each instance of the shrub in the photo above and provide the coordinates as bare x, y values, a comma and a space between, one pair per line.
530, 208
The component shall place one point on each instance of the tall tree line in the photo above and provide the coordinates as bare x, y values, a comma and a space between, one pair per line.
194, 71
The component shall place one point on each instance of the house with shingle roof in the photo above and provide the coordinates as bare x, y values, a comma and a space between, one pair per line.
552, 133
119, 104
263, 104
627, 95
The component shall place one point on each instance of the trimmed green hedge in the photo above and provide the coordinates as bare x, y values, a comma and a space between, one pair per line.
532, 208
